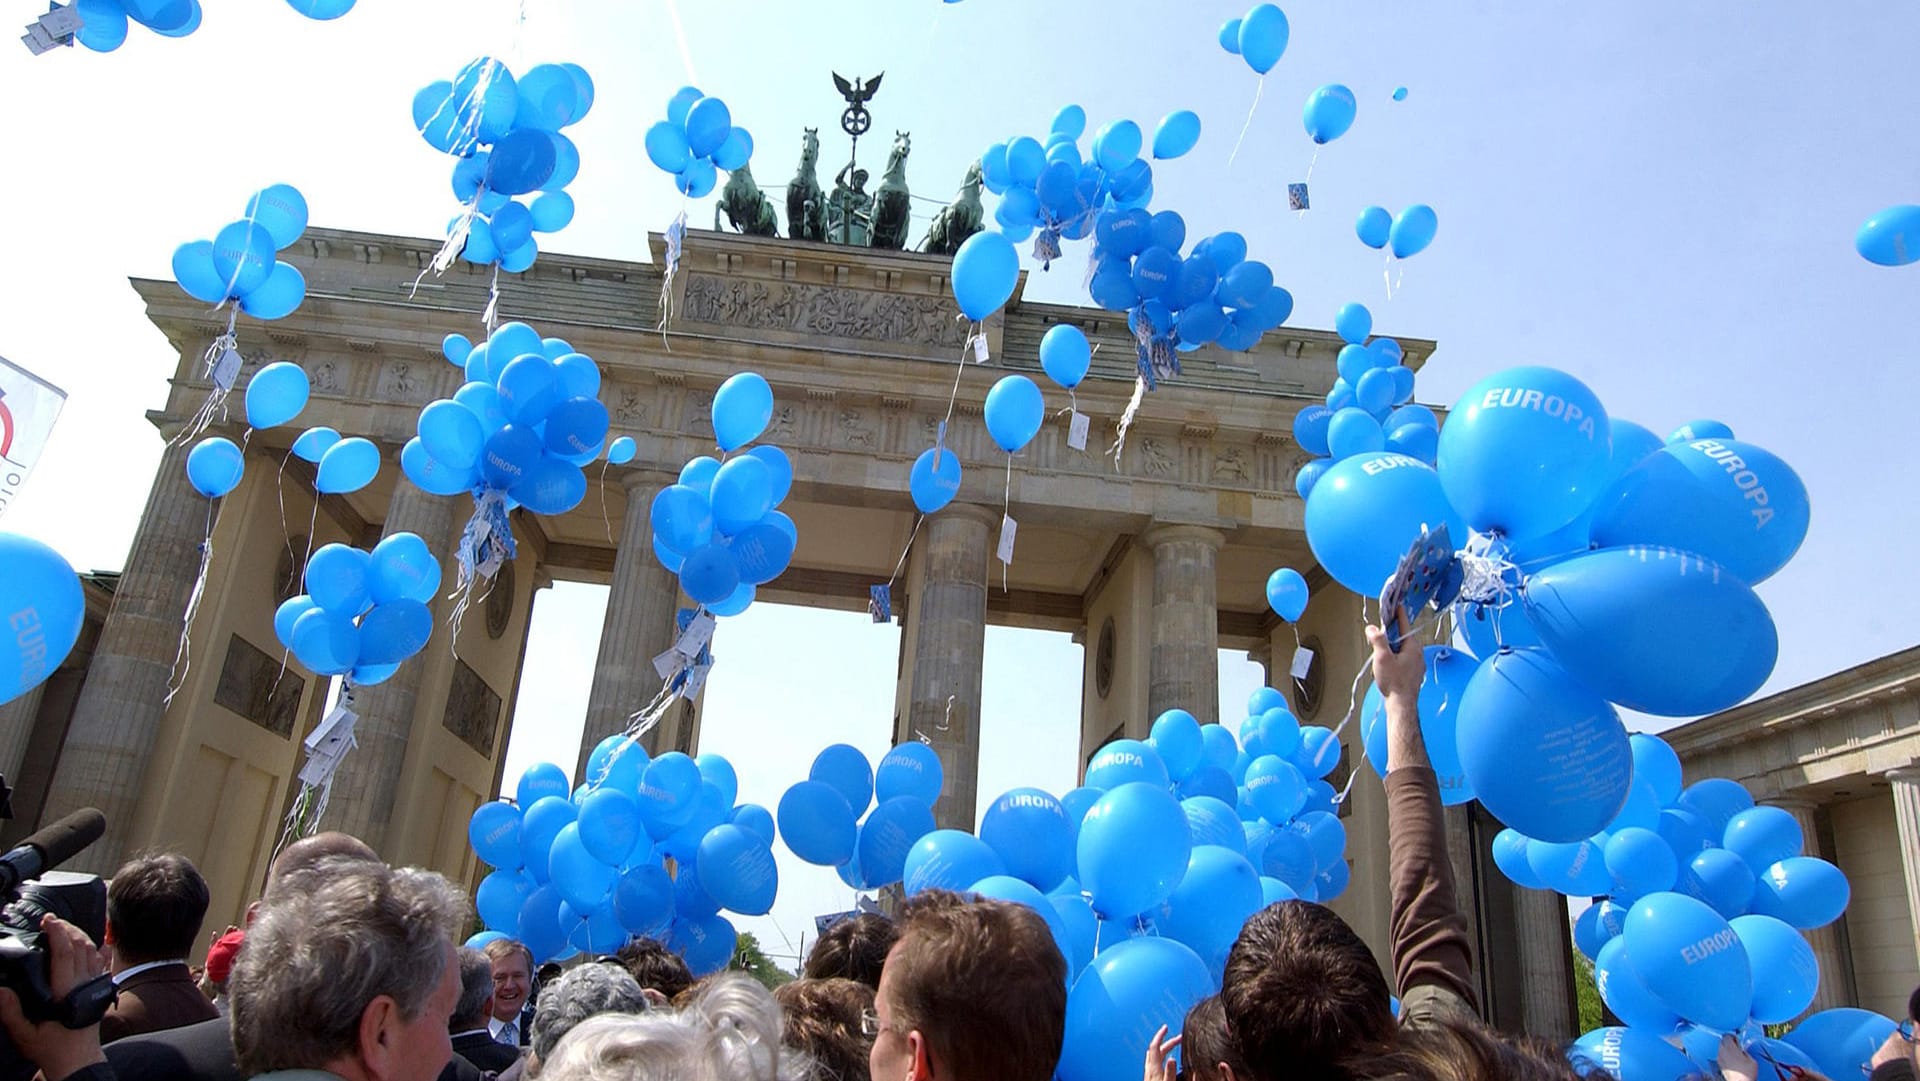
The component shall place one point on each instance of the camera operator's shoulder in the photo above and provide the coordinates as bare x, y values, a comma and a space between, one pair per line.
199, 1052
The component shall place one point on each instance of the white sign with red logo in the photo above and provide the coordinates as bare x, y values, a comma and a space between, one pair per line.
28, 407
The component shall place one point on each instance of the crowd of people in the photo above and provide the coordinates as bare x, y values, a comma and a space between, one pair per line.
348, 968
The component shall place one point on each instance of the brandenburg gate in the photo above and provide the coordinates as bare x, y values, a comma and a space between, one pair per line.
1156, 562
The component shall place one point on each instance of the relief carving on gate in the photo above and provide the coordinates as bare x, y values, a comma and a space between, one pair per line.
819, 310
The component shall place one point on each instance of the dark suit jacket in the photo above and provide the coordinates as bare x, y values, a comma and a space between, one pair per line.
485, 1052
459, 1069
157, 999
202, 1052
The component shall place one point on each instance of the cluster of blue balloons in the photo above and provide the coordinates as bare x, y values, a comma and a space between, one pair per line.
1215, 295
527, 418
363, 612
1052, 187
583, 871
719, 527
696, 139
239, 263
1259, 37
863, 821
507, 134
42, 596
1407, 233
1701, 904
1370, 408
104, 23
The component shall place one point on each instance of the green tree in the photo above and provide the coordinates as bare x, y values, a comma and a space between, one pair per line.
1586, 992
749, 958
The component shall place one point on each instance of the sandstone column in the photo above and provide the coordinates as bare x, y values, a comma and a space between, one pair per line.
1906, 814
368, 782
118, 715
639, 626
947, 613
17, 721
1184, 672
1836, 968
1546, 961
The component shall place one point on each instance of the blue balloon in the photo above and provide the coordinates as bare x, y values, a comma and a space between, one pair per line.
1028, 829
846, 770
1263, 37
1622, 989
552, 486
697, 180
1230, 36
451, 434
1352, 432
888, 834
1214, 898
985, 271
539, 781
1684, 831
1117, 144
610, 825
539, 921
817, 823
1719, 878
45, 609
682, 519
1763, 836
1014, 411
193, 265
1065, 354
541, 823
912, 771
510, 227
1840, 1041
1287, 594
1413, 230
337, 578
1176, 738
215, 466
1449, 671
347, 466
756, 820
708, 123
717, 771
1688, 956
737, 870
1126, 993
278, 296
763, 549
1125, 761
583, 881
1178, 133
1891, 237
1716, 800
1413, 440
741, 409
321, 9
1654, 629
1575, 868
622, 450
1213, 821
549, 98
1640, 863
1353, 323
1364, 512
949, 860
742, 494
681, 103
709, 574
1070, 121
1329, 112
1026, 159
1655, 763
934, 479
1310, 429
670, 789
286, 615
1524, 451
1785, 956
243, 257
430, 476
1731, 502
504, 893
1631, 1054
394, 631
1544, 754
1510, 854
103, 26
1133, 849
706, 944
1805, 892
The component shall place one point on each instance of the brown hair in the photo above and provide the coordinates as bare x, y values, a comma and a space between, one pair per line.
1464, 1050
499, 949
155, 905
1205, 1043
983, 983
821, 1019
854, 948
655, 967
1303, 994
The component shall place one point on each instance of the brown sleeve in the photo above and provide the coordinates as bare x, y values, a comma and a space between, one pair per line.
1430, 948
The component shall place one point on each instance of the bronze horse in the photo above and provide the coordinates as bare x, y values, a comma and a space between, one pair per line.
746, 206
892, 204
957, 220
806, 204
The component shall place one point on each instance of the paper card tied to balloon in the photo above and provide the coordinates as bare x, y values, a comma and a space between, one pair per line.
1429, 574
1297, 197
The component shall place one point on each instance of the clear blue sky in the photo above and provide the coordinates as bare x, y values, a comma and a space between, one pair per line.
1658, 198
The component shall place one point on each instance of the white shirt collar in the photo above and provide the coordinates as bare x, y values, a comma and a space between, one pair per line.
137, 969
501, 1028
471, 1032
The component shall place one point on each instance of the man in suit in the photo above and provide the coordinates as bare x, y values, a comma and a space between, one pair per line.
204, 1052
472, 1040
512, 983
155, 905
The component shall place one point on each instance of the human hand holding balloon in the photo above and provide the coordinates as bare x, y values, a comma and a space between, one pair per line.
1160, 1064
1399, 675
1735, 1063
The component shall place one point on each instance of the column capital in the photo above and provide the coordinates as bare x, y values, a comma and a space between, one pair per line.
1790, 801
986, 516
1161, 533
644, 478
1907, 774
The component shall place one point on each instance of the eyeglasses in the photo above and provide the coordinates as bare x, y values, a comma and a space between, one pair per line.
1904, 1030
870, 1025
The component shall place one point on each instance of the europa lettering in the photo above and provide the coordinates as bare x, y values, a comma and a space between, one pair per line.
1552, 405
1717, 942
1375, 466
1744, 479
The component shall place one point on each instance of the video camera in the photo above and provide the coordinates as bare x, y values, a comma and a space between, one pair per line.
29, 890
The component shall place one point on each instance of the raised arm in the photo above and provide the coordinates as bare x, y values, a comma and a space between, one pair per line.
1432, 960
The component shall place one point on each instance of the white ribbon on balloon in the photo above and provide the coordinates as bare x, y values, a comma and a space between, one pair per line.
182, 654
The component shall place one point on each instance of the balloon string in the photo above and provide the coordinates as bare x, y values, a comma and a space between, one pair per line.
286, 537
680, 40
973, 331
1006, 515
182, 659
897, 567
605, 520
1258, 89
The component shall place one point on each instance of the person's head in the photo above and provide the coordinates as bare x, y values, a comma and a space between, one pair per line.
972, 991
1464, 1050
512, 976
854, 948
220, 957
586, 991
155, 905
356, 975
1303, 994
655, 968
1207, 1050
476, 992
294, 861
729, 1031
823, 1020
